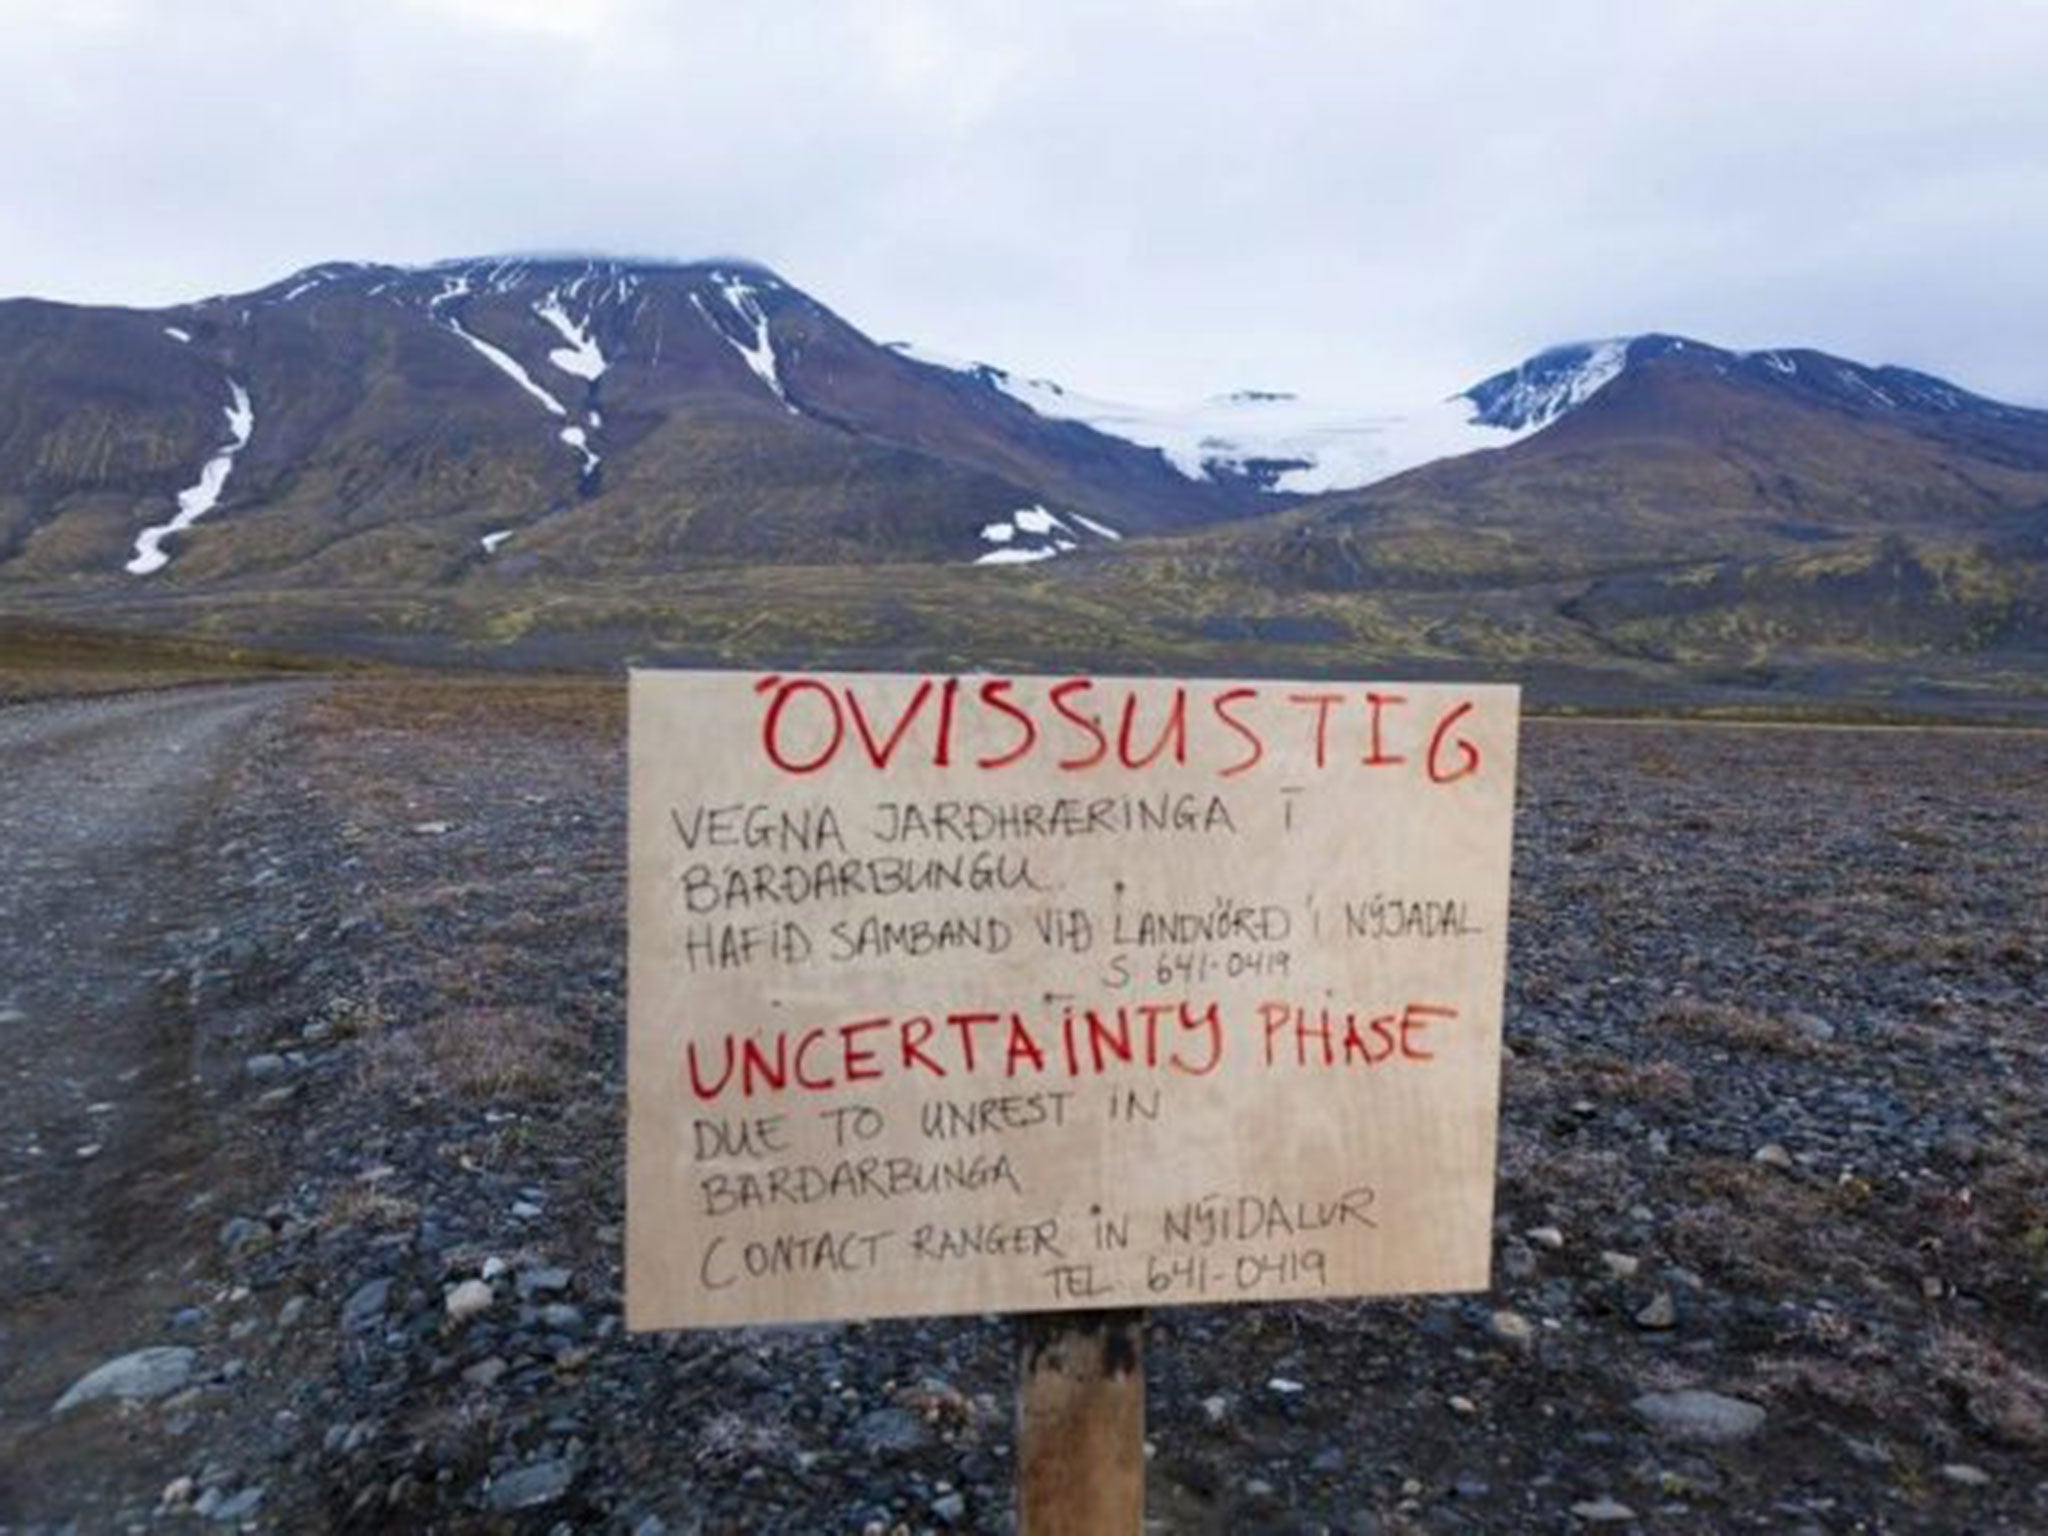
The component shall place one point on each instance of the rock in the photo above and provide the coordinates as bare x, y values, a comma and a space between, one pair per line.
1771, 1155
470, 1299
1216, 1408
1707, 1417
289, 1314
1546, 1237
240, 1507
1659, 1313
543, 1282
365, 1305
1603, 1511
950, 1507
888, 1431
177, 1493
1283, 1387
1812, 1027
266, 1064
239, 1233
1513, 1329
1463, 1406
537, 1483
1620, 1266
141, 1377
485, 1373
431, 828
1965, 1474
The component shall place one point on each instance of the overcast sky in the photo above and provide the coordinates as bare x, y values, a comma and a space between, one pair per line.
1377, 202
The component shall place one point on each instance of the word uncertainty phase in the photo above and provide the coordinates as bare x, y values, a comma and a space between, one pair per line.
981, 993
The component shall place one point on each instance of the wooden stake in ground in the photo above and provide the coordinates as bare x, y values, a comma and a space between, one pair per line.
1081, 1423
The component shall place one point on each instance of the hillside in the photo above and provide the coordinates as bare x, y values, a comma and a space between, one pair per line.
578, 462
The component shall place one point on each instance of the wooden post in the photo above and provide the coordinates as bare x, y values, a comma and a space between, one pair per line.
1081, 1423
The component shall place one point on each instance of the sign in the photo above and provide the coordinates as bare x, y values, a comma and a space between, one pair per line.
972, 994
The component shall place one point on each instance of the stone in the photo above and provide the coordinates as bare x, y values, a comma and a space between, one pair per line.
1771, 1155
1512, 1328
471, 1298
239, 1507
485, 1373
239, 1232
1812, 1027
543, 1282
1658, 1314
1603, 1511
431, 828
1968, 1476
141, 1377
1216, 1408
950, 1507
890, 1431
1284, 1387
1707, 1417
365, 1305
1620, 1266
1546, 1237
1463, 1406
537, 1483
266, 1064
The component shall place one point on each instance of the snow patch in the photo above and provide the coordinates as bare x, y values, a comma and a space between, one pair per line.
197, 500
1035, 533
578, 439
581, 356
506, 364
759, 354
176, 334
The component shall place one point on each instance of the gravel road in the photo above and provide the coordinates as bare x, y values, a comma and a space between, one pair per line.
105, 804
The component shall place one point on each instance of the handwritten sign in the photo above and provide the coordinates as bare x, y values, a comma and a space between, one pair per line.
962, 994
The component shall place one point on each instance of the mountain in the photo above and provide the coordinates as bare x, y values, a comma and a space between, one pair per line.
573, 461
1657, 449
1676, 500
374, 425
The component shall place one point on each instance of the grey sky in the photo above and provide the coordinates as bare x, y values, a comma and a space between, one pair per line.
1375, 202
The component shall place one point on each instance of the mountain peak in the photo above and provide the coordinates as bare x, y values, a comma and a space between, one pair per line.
1536, 392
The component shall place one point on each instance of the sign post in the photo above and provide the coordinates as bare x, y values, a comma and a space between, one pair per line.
1081, 1423
1060, 995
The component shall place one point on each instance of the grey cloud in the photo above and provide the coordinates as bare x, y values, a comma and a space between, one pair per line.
1154, 200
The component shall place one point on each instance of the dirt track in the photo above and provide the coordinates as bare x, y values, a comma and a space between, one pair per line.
105, 804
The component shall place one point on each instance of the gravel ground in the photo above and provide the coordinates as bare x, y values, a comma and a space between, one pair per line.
1773, 1248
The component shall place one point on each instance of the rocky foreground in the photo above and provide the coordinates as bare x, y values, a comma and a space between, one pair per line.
1773, 1233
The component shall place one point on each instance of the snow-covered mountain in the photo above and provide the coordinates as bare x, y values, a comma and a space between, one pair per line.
1286, 444
1275, 440
495, 419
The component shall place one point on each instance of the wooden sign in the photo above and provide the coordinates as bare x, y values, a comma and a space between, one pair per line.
974, 994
